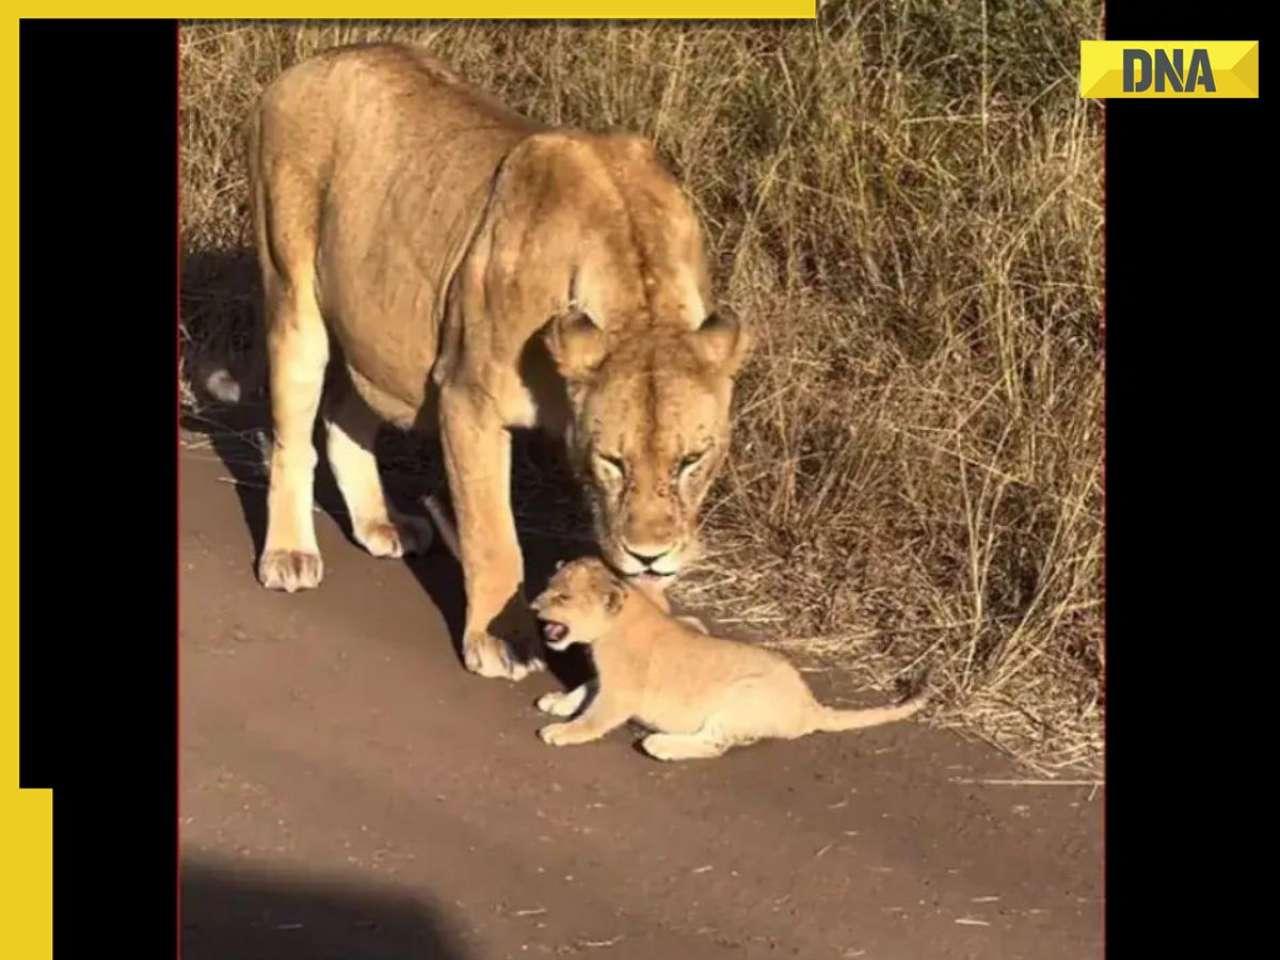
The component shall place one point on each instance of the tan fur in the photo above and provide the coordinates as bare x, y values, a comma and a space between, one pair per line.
700, 694
469, 270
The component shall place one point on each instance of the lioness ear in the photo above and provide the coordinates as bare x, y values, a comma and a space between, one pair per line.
724, 342
575, 343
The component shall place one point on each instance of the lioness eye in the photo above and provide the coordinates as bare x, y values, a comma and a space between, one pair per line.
691, 459
614, 462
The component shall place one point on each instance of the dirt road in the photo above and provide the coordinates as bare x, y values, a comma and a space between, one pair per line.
348, 791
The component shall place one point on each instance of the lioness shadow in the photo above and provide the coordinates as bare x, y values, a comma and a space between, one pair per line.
219, 304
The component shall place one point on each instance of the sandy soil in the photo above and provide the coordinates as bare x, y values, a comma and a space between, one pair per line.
348, 791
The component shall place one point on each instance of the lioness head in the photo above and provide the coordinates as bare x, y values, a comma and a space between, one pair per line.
647, 360
579, 603
649, 429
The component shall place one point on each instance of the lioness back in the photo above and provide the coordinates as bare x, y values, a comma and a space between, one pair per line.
374, 164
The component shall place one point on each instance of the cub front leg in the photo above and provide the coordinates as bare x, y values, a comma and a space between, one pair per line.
603, 715
563, 704
500, 638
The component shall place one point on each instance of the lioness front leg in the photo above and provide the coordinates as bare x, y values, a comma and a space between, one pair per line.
500, 638
602, 716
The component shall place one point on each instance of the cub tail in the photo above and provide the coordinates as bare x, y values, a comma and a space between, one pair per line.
831, 719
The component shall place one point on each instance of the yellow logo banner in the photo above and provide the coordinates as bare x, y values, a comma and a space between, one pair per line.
1149, 69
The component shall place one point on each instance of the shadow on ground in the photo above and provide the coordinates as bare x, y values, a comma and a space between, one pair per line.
232, 911
239, 435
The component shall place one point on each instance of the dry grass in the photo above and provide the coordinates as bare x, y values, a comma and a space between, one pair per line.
906, 197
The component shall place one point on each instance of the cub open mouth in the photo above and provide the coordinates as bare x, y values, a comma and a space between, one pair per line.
554, 632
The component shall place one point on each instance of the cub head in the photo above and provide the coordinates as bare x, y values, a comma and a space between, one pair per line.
579, 604
649, 428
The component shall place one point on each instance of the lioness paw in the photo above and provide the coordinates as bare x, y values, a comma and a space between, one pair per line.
394, 538
290, 570
526, 646
489, 656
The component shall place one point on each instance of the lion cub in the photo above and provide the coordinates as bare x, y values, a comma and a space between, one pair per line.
702, 694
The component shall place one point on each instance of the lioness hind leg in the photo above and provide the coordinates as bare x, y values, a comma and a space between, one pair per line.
285, 212
687, 746
352, 429
297, 350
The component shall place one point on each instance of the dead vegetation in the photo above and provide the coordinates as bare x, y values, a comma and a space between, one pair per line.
906, 198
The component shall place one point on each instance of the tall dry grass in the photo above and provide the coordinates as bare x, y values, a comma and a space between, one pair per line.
906, 198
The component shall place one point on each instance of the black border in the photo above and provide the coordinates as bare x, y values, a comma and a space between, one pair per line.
98, 149
1187, 378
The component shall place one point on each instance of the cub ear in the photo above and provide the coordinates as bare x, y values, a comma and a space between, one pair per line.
615, 595
559, 564
723, 341
576, 344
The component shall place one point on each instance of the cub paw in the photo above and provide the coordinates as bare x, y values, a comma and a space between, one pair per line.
553, 734
290, 570
657, 746
556, 704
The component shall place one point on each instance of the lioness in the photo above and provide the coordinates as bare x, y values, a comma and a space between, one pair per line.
463, 266
702, 694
